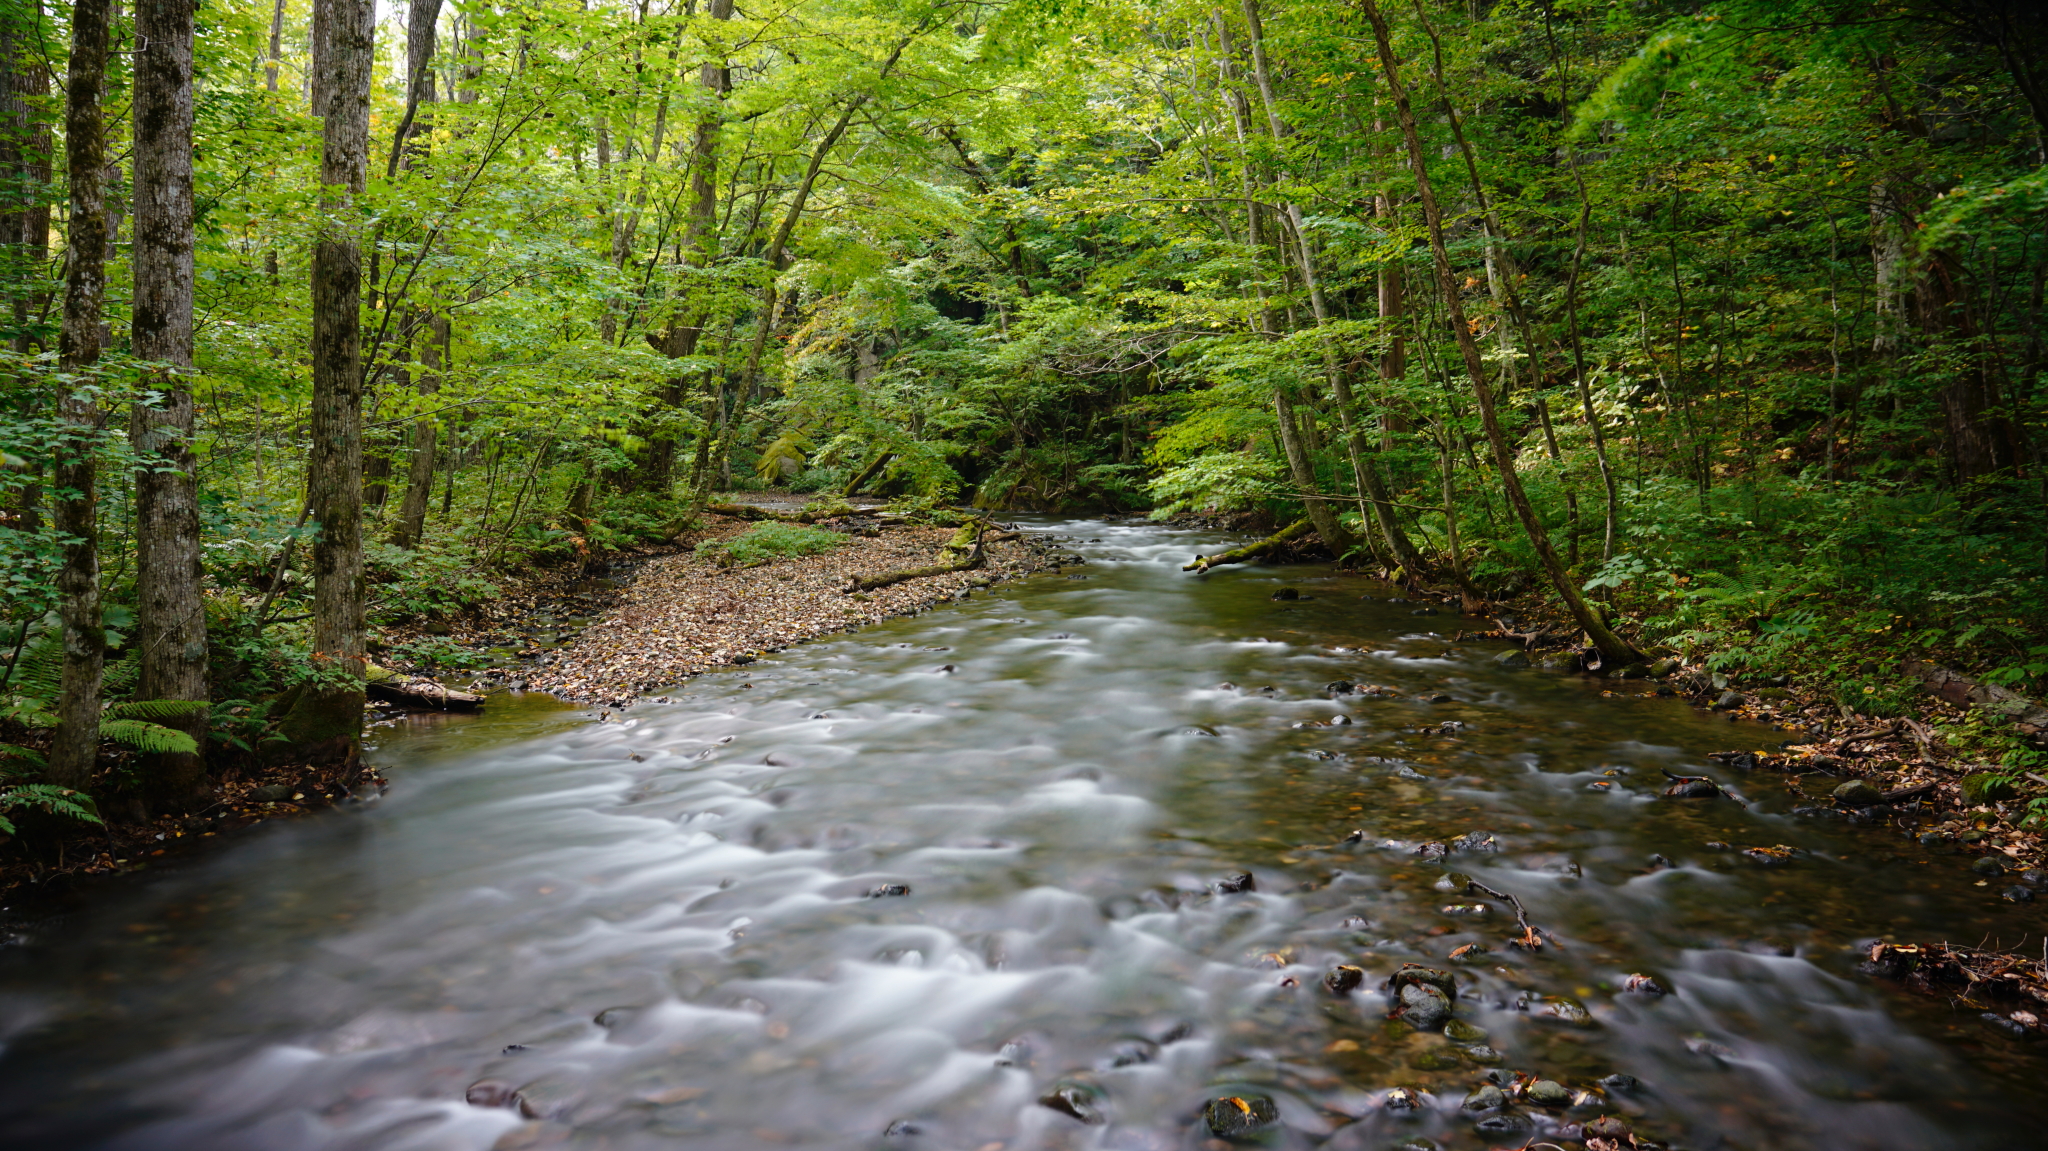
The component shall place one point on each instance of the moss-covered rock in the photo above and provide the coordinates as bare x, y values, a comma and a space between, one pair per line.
1987, 787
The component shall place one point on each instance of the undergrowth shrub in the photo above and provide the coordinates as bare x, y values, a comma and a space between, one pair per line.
768, 541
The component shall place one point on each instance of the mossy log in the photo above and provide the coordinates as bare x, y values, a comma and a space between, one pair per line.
1274, 542
807, 516
964, 550
861, 478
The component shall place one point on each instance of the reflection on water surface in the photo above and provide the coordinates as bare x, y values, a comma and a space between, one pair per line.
892, 889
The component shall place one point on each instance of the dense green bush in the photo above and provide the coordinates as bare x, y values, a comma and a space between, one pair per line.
768, 541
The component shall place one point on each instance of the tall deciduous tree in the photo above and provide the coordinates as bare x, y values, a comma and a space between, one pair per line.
326, 722
172, 635
1614, 650
76, 745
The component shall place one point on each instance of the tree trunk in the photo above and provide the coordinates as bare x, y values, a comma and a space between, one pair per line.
411, 527
76, 745
1614, 650
1320, 513
326, 724
25, 219
699, 248
172, 616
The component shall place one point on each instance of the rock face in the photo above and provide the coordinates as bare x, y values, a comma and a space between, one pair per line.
1239, 1116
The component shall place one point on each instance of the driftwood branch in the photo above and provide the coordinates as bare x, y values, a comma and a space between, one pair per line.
1529, 939
965, 547
423, 693
1284, 536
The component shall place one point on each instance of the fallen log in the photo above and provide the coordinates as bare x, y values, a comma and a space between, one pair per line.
415, 691
965, 547
1281, 538
861, 478
807, 516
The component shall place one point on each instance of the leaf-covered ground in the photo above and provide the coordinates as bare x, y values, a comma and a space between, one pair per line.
684, 615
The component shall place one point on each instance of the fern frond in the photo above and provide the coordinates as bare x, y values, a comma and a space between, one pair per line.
121, 675
39, 671
9, 751
158, 708
150, 737
48, 797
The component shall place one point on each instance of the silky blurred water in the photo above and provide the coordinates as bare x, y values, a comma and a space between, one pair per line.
657, 931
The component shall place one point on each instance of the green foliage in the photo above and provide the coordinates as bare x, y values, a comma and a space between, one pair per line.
45, 797
767, 541
433, 652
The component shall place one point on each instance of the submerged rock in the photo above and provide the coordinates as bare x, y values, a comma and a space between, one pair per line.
1621, 1081
1402, 1099
2017, 894
1475, 841
1344, 980
490, 1093
1512, 660
1987, 866
1459, 1031
1237, 1116
1286, 593
1453, 881
1693, 789
1640, 984
1485, 1098
1549, 1093
1607, 1133
1565, 1009
1076, 1101
888, 890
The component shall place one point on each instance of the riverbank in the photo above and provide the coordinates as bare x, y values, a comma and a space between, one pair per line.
668, 614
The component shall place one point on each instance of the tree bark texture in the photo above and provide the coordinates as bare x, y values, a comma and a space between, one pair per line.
25, 167
419, 481
1614, 651
76, 745
172, 616
326, 724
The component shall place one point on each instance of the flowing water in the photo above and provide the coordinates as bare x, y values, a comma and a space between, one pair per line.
662, 933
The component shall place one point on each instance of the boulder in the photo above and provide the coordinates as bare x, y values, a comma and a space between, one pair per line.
1857, 793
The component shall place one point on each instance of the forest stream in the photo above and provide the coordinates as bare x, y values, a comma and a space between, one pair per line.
894, 888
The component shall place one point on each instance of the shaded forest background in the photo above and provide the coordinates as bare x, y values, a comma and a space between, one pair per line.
1721, 323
